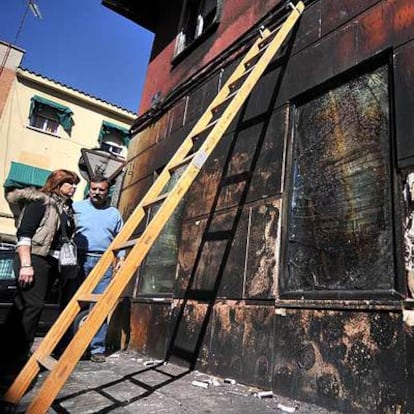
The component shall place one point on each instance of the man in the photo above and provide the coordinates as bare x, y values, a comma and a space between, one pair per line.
97, 225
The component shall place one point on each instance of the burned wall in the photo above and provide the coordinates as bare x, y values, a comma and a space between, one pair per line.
165, 73
324, 356
289, 268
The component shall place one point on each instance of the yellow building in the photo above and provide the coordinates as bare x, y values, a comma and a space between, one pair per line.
45, 124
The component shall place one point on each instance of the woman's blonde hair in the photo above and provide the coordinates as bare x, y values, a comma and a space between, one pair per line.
57, 178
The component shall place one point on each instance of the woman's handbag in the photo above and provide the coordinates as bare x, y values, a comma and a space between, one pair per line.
68, 254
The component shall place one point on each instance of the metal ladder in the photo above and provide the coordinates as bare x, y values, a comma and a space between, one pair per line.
213, 124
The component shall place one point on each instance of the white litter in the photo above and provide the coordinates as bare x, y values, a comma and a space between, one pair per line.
286, 408
216, 382
113, 356
153, 362
229, 381
200, 384
264, 394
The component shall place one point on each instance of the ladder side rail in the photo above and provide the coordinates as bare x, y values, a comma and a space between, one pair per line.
109, 298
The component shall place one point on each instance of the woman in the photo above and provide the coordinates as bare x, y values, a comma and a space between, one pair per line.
39, 237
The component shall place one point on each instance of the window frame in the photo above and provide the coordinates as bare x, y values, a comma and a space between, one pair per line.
37, 116
182, 44
140, 291
42, 108
109, 147
113, 140
112, 136
384, 59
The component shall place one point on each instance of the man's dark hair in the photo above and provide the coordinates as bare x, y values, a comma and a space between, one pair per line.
99, 179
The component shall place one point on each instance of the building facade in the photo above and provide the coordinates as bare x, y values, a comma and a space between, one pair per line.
44, 125
288, 263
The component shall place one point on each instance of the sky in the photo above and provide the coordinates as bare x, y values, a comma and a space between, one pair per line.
82, 44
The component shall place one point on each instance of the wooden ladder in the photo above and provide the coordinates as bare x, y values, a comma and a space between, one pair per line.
213, 124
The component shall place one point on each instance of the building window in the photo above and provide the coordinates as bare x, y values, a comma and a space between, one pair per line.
159, 268
340, 226
47, 115
197, 17
112, 147
45, 120
114, 139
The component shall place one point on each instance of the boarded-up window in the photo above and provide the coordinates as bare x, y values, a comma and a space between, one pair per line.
340, 235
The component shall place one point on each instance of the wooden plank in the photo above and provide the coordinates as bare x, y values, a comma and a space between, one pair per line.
184, 161
156, 200
47, 361
125, 245
89, 298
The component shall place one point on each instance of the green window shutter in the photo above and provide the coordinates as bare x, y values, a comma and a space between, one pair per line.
22, 175
63, 112
109, 127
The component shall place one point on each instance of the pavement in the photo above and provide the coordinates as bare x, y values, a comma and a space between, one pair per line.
130, 383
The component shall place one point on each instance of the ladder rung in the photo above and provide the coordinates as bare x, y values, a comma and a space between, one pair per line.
233, 85
47, 361
207, 127
262, 48
269, 37
184, 161
125, 245
252, 62
228, 97
155, 200
89, 297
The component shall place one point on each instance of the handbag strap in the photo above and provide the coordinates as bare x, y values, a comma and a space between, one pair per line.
63, 221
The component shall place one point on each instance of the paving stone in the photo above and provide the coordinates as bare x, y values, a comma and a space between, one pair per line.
124, 385
87, 403
125, 391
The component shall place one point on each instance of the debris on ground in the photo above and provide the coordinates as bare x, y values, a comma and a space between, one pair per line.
200, 384
152, 362
285, 408
264, 394
131, 383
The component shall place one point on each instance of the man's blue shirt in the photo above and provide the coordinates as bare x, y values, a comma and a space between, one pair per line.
96, 227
